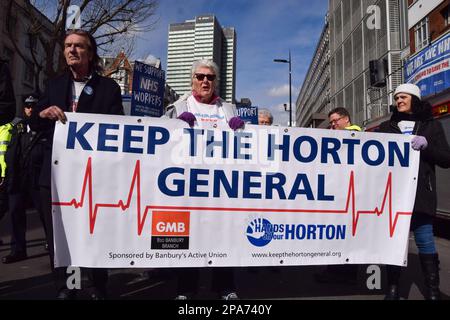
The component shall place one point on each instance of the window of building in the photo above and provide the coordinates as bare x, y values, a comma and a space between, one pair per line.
28, 76
421, 34
404, 29
31, 42
446, 14
8, 55
10, 25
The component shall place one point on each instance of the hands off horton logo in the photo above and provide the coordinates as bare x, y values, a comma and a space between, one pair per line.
261, 232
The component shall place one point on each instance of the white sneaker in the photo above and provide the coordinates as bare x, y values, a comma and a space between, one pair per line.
231, 296
181, 297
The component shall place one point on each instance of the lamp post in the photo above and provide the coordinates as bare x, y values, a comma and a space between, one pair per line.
290, 84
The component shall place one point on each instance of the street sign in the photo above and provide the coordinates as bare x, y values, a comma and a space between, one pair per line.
430, 68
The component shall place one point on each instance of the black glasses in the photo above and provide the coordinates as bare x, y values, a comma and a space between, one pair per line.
335, 121
201, 76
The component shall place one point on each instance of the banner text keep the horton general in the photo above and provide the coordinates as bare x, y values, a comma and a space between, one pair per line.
179, 181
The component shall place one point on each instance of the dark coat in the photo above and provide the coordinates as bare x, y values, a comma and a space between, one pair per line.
105, 99
437, 153
7, 99
24, 158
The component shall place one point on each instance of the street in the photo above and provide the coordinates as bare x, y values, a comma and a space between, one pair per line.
31, 279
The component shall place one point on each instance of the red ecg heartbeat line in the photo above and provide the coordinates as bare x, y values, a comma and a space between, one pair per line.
142, 216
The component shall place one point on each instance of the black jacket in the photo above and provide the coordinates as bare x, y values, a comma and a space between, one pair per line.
105, 98
7, 99
437, 153
24, 158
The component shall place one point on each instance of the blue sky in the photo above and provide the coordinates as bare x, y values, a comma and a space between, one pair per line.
266, 30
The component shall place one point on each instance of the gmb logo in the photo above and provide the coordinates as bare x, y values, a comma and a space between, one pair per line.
260, 232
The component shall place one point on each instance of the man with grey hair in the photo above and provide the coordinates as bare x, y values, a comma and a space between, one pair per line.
265, 118
203, 105
205, 108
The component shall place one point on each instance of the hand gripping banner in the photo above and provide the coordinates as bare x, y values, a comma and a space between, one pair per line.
150, 192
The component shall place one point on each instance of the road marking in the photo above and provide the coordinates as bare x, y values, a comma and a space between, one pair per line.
142, 289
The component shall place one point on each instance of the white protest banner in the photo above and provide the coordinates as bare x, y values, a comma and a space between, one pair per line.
148, 192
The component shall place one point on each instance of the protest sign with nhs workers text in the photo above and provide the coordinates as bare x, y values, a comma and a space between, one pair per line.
147, 98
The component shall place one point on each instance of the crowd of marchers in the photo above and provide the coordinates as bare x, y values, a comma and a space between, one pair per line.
26, 152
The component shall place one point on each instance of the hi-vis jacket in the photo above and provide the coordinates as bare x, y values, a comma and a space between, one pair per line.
354, 128
5, 138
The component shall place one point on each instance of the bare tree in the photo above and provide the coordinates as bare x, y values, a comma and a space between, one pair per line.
114, 23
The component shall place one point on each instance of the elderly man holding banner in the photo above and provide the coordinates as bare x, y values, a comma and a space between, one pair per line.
80, 89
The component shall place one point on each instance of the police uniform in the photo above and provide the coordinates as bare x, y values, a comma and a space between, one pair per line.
24, 163
5, 137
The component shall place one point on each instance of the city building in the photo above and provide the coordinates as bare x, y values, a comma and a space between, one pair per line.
244, 102
121, 70
20, 49
201, 38
314, 96
361, 47
428, 66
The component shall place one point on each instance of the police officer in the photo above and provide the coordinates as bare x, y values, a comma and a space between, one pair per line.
24, 162
5, 137
7, 112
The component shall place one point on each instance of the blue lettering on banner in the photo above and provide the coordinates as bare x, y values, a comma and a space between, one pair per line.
179, 184
238, 152
379, 150
129, 138
351, 149
139, 139
332, 147
271, 186
75, 135
249, 184
321, 190
156, 136
195, 182
103, 137
154, 141
272, 146
211, 143
396, 153
173, 181
194, 135
260, 232
302, 179
231, 189
313, 147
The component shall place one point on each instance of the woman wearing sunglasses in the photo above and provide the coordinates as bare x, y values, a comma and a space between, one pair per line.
203, 106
